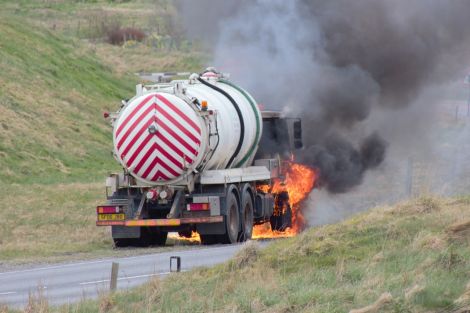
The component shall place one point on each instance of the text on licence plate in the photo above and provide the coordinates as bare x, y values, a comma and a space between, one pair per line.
111, 217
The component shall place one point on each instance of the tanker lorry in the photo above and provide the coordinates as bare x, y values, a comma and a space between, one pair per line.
195, 154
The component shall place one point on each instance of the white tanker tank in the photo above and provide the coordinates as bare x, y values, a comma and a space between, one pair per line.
169, 131
189, 152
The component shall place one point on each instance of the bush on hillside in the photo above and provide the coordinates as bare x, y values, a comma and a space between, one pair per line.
117, 36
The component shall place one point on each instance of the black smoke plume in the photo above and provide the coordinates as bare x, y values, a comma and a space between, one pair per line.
342, 165
336, 63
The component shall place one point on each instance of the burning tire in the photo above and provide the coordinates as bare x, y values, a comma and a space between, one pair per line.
185, 234
282, 217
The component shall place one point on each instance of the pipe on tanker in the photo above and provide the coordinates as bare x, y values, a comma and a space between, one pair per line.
255, 111
240, 117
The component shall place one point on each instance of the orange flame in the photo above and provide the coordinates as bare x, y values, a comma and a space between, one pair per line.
193, 239
299, 181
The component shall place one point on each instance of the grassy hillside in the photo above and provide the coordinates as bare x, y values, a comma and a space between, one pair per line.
413, 257
52, 94
51, 103
165, 47
57, 75
55, 146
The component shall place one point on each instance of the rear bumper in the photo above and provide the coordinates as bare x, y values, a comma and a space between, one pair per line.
163, 222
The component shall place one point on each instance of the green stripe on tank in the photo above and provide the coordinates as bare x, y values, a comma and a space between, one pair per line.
253, 106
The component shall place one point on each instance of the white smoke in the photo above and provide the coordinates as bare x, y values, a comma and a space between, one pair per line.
261, 47
359, 73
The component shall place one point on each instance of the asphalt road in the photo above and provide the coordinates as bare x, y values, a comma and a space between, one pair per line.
71, 282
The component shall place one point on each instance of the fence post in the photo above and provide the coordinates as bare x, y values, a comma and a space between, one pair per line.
114, 276
178, 264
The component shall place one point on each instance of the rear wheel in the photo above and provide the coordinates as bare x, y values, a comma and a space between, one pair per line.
123, 242
209, 239
145, 238
185, 233
157, 237
247, 217
282, 217
232, 221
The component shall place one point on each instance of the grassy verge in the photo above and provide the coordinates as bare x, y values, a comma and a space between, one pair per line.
40, 221
413, 257
56, 222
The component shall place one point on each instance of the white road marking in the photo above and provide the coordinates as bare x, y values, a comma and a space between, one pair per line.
116, 259
123, 278
71, 285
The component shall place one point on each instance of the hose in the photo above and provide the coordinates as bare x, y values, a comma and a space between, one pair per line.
255, 110
240, 117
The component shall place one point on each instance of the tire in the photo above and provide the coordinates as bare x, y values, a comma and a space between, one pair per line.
246, 217
284, 220
158, 238
145, 238
122, 242
232, 220
185, 234
209, 239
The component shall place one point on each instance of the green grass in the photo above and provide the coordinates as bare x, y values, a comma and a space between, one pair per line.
53, 142
90, 20
55, 146
51, 102
50, 221
55, 86
407, 250
56, 222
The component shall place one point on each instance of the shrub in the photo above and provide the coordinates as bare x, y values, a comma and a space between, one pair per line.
117, 36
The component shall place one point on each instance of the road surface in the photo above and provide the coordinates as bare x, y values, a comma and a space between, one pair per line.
71, 282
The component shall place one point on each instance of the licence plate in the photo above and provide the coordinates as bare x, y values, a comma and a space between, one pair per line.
111, 217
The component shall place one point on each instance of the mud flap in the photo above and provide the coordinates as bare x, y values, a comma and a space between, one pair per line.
211, 228
119, 232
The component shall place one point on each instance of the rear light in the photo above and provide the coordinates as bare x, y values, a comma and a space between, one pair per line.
198, 206
166, 193
107, 209
163, 194
152, 194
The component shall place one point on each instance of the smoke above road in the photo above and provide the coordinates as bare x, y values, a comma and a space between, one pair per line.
339, 65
